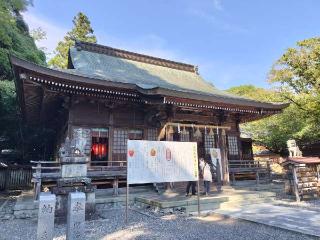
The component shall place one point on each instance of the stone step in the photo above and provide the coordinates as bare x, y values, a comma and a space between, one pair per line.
183, 202
233, 204
264, 187
135, 189
203, 207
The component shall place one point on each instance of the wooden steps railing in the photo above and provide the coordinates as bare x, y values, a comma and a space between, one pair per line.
257, 167
47, 172
305, 180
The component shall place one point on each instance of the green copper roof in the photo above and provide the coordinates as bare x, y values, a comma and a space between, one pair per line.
144, 75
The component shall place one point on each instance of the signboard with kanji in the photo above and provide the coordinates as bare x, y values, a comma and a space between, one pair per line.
161, 161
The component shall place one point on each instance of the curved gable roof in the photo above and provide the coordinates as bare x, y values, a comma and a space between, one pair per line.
146, 72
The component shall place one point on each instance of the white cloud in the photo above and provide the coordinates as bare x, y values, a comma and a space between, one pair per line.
54, 32
217, 5
216, 16
150, 44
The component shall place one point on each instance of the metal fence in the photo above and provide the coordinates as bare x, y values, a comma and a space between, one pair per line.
15, 177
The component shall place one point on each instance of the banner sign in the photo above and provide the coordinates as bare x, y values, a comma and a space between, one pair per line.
161, 161
215, 155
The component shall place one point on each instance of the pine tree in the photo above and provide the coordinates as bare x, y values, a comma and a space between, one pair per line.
82, 30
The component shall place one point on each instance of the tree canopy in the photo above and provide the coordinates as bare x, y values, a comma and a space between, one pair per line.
274, 131
297, 77
15, 38
81, 30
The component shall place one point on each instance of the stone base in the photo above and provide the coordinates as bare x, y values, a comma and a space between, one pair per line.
73, 170
62, 206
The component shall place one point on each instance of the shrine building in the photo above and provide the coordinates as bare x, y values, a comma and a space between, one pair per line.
109, 95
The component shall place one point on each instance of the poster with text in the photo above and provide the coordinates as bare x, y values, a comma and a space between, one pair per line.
161, 161
215, 155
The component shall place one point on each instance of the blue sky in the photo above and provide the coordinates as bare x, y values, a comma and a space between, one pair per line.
233, 42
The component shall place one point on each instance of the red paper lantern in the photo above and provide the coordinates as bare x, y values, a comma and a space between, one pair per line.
99, 149
95, 149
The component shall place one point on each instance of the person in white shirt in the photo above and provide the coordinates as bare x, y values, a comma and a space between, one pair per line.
206, 174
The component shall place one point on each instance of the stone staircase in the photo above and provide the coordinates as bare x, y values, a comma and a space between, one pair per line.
231, 197
170, 200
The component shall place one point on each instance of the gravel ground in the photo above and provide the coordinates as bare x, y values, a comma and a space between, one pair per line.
111, 226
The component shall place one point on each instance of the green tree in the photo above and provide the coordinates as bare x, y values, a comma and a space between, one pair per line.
272, 132
15, 38
81, 30
297, 77
9, 127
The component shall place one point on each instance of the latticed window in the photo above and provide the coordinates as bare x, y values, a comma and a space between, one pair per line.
233, 145
135, 134
120, 137
152, 134
208, 142
184, 136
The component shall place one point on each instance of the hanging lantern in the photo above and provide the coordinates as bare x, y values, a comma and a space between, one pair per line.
99, 149
102, 150
95, 149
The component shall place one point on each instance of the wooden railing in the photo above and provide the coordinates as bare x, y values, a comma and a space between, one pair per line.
49, 171
15, 177
44, 170
249, 166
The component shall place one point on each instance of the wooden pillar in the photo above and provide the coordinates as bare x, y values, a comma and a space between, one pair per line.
240, 150
257, 177
116, 186
110, 143
295, 183
37, 183
224, 156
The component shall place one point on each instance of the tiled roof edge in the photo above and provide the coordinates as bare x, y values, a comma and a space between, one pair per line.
115, 52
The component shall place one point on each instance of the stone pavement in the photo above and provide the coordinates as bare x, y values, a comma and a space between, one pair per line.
289, 218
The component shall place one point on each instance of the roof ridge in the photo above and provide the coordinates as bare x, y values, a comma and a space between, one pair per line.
116, 52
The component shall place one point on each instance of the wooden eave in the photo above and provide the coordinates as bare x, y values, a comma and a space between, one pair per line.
69, 83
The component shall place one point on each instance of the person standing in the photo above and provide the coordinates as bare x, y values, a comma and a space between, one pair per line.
192, 185
206, 174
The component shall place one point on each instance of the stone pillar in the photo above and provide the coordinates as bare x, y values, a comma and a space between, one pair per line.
47, 204
76, 215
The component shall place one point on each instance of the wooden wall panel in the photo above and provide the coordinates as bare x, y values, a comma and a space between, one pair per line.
86, 113
128, 117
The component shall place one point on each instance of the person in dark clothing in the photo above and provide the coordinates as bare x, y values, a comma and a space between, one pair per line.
191, 184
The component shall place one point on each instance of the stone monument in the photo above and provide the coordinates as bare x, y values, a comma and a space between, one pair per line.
73, 179
47, 203
76, 216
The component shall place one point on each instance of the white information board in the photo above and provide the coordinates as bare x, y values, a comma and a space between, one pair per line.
161, 161
215, 155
